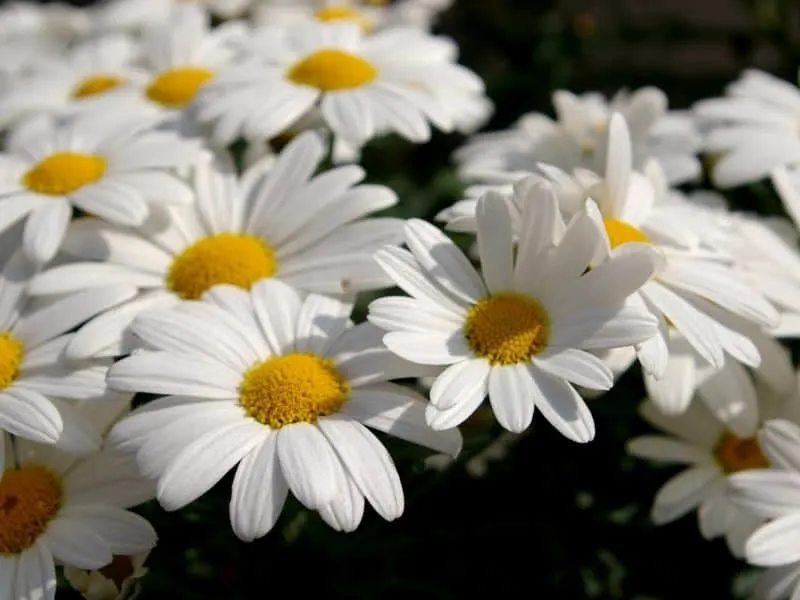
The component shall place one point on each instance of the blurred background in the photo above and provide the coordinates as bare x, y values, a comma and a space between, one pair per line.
550, 519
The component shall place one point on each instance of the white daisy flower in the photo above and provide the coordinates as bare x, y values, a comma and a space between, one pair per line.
74, 81
713, 441
286, 396
57, 509
520, 331
362, 86
109, 165
310, 232
38, 388
131, 16
752, 130
577, 138
774, 494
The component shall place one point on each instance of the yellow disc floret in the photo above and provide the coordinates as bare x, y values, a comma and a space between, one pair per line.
175, 88
97, 84
11, 351
736, 454
341, 12
29, 499
332, 70
233, 258
293, 388
507, 328
63, 173
620, 232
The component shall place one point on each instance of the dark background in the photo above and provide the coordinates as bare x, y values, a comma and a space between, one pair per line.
554, 519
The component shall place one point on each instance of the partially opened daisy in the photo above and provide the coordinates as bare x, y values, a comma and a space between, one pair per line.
774, 494
115, 167
520, 331
277, 220
59, 510
713, 441
395, 81
38, 387
286, 393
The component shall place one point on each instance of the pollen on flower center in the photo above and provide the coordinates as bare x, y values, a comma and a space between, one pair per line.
736, 454
11, 351
331, 70
341, 12
29, 499
97, 84
233, 258
64, 172
175, 88
507, 328
293, 388
620, 232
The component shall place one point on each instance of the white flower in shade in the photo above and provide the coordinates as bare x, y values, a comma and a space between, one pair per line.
60, 509
72, 82
753, 130
116, 581
368, 14
361, 86
577, 138
281, 223
713, 441
520, 331
774, 495
285, 392
38, 388
112, 166
128, 15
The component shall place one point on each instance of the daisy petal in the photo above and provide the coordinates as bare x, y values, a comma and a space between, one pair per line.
123, 532
76, 543
576, 366
36, 574
308, 464
662, 448
775, 543
428, 348
511, 393
30, 415
683, 493
780, 441
560, 404
768, 493
495, 235
464, 382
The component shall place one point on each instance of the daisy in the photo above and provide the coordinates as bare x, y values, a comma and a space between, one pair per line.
285, 393
113, 582
57, 509
714, 442
277, 221
38, 388
90, 69
774, 494
397, 81
520, 331
752, 130
577, 137
112, 166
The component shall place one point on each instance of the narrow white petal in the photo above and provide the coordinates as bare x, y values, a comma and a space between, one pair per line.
45, 230
768, 493
511, 393
666, 449
321, 321
576, 366
30, 415
776, 543
277, 306
347, 510
683, 493
36, 574
308, 464
495, 242
123, 532
428, 348
731, 397
76, 543
560, 404
780, 442
464, 382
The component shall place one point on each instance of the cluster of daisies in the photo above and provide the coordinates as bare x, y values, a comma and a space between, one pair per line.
185, 231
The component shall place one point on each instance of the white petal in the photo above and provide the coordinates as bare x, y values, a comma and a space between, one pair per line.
560, 404
780, 442
731, 397
511, 393
768, 493
45, 230
308, 463
123, 532
277, 306
30, 415
775, 543
495, 242
464, 382
347, 509
76, 543
683, 493
321, 321
576, 366
36, 574
662, 448
428, 348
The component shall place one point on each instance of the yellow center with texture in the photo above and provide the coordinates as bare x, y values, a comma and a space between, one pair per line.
620, 232
507, 328
736, 454
30, 498
97, 84
11, 351
232, 258
63, 173
293, 388
175, 88
332, 70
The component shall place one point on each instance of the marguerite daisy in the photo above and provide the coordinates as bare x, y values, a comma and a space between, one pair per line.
275, 222
56, 509
519, 331
112, 166
285, 393
713, 445
393, 81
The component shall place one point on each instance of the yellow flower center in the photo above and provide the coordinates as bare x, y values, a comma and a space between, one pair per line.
29, 499
331, 70
294, 388
620, 232
234, 258
175, 88
97, 84
11, 351
507, 328
736, 454
63, 173
341, 12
